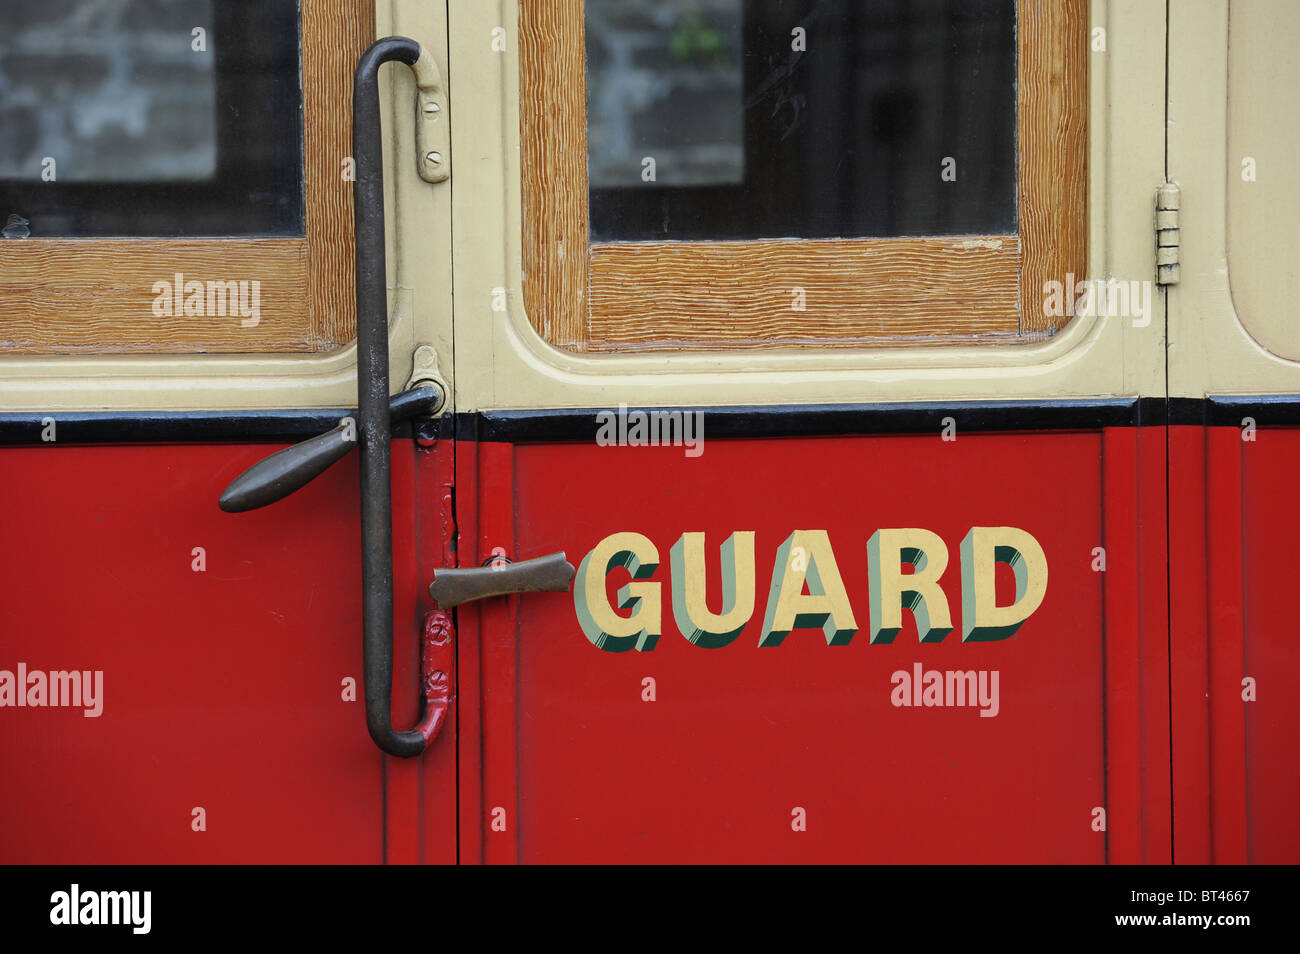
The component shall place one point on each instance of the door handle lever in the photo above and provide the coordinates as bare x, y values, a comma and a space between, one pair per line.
287, 470
280, 474
547, 574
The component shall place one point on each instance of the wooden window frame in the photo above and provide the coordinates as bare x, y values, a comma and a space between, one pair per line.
95, 295
641, 296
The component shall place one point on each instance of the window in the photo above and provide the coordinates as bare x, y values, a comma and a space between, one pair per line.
171, 174
777, 173
713, 121
118, 126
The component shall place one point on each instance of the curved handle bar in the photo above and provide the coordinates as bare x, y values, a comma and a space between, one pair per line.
373, 423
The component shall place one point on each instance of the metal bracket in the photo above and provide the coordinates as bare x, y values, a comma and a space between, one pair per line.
1168, 198
425, 373
437, 673
432, 134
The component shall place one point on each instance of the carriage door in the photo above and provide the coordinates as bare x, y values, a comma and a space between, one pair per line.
1234, 382
206, 641
775, 321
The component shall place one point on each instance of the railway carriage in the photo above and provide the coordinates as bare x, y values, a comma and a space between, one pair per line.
704, 430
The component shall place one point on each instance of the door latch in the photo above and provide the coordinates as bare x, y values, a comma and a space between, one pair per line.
432, 134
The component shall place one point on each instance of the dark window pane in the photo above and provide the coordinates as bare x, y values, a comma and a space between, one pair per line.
118, 119
800, 118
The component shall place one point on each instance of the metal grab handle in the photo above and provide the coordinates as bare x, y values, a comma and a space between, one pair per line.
372, 392
550, 574
275, 477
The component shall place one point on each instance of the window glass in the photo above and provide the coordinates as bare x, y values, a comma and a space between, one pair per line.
733, 119
150, 118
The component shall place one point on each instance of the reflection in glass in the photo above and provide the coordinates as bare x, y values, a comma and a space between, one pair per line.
725, 119
644, 64
112, 91
150, 118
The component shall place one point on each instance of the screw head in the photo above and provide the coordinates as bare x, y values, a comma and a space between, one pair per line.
432, 108
435, 158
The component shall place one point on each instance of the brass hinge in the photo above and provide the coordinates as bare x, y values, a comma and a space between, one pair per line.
1167, 200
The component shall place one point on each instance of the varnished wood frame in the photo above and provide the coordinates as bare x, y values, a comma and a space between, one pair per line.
65, 296
638, 296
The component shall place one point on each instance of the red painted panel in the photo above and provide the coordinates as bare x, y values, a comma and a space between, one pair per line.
468, 705
498, 814
222, 688
1137, 649
1231, 568
1270, 647
740, 736
1223, 596
436, 542
1189, 659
